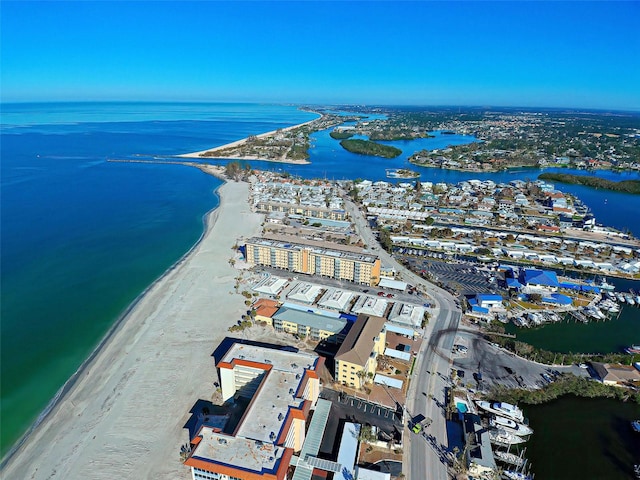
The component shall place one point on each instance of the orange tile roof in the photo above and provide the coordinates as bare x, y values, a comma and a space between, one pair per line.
265, 307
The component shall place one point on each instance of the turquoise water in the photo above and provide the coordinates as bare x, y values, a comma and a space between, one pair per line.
82, 238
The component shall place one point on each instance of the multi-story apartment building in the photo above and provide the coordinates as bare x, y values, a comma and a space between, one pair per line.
304, 210
315, 259
356, 360
281, 388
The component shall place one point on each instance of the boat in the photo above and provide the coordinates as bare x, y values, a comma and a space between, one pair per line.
635, 425
633, 350
606, 286
513, 475
502, 409
502, 437
511, 426
629, 299
621, 298
401, 173
511, 458
636, 471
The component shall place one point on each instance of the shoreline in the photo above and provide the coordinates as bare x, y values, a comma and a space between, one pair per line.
88, 405
208, 220
242, 141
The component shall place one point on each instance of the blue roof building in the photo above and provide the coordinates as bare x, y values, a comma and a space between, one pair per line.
530, 277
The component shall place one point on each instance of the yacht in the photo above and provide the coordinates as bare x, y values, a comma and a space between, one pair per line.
511, 458
606, 286
513, 475
511, 426
629, 298
502, 437
502, 409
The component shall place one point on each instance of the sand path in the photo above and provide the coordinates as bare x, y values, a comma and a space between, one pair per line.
124, 416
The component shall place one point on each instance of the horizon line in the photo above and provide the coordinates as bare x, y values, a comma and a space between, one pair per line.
329, 104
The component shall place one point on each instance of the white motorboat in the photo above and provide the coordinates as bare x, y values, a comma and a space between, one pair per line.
502, 409
513, 475
502, 437
511, 426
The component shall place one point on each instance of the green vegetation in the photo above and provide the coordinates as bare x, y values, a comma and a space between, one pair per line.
384, 237
236, 171
367, 147
626, 186
340, 135
566, 384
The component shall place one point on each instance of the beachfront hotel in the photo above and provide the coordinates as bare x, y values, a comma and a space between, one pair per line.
357, 359
281, 387
315, 258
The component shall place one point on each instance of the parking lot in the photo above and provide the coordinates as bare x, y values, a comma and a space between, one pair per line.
485, 364
462, 276
348, 408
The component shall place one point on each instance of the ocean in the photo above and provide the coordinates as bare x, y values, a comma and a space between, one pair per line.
82, 237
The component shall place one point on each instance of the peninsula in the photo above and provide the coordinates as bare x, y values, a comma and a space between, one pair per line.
285, 145
625, 186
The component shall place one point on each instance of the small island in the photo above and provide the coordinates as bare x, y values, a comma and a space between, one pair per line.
367, 147
625, 186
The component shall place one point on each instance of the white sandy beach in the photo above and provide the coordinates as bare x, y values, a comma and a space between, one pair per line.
124, 416
242, 141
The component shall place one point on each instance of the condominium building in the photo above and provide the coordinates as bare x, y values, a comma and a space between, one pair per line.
315, 258
281, 388
356, 361
308, 324
304, 210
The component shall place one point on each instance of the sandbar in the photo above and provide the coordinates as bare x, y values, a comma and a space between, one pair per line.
124, 413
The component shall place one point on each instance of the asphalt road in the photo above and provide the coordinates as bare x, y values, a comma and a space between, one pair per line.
423, 457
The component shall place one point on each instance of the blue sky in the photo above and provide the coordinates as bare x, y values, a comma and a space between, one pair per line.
555, 54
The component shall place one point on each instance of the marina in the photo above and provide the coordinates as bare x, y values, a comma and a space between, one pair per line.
578, 332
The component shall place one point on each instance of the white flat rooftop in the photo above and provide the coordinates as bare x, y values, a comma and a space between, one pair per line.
238, 452
271, 286
370, 306
264, 418
304, 292
336, 299
407, 314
